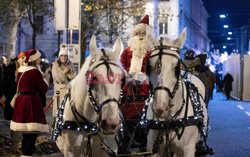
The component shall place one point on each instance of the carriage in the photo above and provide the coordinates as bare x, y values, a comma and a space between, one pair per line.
92, 114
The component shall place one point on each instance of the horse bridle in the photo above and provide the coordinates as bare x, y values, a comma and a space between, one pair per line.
107, 63
159, 64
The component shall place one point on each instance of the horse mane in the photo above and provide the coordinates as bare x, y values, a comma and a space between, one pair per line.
79, 85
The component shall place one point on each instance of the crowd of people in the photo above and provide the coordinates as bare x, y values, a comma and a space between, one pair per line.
23, 93
22, 76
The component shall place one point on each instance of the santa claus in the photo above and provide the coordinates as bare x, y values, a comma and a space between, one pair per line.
28, 116
135, 56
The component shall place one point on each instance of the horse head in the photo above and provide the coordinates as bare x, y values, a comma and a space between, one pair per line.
105, 78
164, 69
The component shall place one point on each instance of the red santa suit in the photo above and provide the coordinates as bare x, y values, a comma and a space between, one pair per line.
126, 57
133, 60
28, 113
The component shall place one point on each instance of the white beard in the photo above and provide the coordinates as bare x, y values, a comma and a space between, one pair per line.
139, 47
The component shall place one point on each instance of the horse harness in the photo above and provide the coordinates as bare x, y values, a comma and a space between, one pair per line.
175, 124
90, 128
158, 66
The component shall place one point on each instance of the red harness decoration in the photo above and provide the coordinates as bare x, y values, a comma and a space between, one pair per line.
49, 105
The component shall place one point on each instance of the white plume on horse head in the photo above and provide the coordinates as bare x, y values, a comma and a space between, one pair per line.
177, 42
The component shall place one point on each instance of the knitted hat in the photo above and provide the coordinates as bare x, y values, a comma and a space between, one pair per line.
63, 50
32, 55
189, 54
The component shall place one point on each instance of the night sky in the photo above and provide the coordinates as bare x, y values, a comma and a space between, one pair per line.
238, 12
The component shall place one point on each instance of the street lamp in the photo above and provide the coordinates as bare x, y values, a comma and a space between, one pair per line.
225, 26
222, 16
224, 47
230, 33
228, 38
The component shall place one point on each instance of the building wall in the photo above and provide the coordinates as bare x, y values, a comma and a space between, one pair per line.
198, 27
46, 40
184, 15
176, 14
180, 14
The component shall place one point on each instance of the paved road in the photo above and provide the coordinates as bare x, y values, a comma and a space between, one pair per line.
230, 127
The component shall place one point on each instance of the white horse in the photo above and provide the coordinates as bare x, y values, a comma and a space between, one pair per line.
169, 96
96, 101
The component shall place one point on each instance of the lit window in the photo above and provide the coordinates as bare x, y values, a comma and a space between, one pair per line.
163, 28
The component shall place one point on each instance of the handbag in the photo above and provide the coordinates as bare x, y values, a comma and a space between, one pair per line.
13, 101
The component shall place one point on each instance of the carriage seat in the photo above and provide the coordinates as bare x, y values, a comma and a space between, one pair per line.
131, 107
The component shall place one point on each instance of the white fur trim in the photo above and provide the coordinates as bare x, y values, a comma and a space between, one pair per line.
25, 68
34, 57
139, 27
29, 127
136, 64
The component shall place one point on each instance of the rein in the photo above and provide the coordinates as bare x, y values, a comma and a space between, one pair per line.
159, 65
175, 124
85, 125
107, 63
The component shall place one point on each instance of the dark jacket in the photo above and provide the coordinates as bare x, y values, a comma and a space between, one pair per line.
9, 88
228, 79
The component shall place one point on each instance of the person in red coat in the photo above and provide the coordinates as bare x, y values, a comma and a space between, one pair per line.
28, 116
135, 57
133, 60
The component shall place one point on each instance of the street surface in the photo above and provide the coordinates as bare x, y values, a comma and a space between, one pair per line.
229, 134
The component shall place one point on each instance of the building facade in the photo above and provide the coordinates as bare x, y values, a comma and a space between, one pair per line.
167, 19
47, 39
175, 15
241, 36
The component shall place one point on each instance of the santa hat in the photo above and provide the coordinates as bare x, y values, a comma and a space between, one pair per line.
143, 25
63, 50
22, 54
32, 55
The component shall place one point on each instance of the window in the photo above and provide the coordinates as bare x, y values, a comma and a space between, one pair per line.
163, 28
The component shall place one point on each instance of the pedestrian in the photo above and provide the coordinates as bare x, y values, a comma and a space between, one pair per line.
28, 116
1, 77
9, 85
20, 60
211, 81
62, 73
227, 81
218, 81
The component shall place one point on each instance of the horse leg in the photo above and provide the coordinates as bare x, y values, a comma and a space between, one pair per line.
74, 144
96, 145
185, 151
